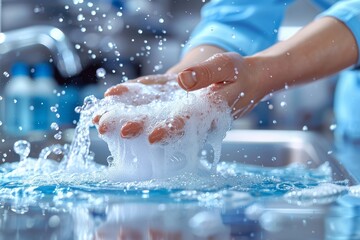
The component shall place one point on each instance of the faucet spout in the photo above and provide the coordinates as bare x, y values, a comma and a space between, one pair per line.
66, 59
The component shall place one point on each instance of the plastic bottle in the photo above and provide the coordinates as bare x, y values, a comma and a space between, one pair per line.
347, 109
43, 97
17, 94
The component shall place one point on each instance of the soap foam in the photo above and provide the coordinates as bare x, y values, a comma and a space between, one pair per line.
207, 118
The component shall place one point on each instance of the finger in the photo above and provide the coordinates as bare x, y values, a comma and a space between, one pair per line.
116, 90
107, 122
154, 79
132, 129
171, 128
219, 68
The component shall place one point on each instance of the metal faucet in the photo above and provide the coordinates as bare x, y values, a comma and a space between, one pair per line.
65, 57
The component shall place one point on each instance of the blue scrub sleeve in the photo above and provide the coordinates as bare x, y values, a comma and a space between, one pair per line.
243, 26
349, 13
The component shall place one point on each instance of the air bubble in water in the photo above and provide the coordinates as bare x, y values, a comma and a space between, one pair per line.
283, 104
161, 20
22, 148
305, 128
100, 73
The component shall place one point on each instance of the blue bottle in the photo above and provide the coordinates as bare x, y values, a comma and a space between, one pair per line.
43, 97
347, 109
17, 93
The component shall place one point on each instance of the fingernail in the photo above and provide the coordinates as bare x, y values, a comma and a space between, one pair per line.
96, 119
188, 79
131, 129
103, 128
158, 135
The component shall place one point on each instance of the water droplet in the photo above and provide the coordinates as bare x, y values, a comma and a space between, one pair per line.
53, 109
100, 73
283, 104
273, 159
61, 19
6, 74
332, 127
80, 17
1, 123
110, 45
110, 160
305, 128
161, 20
22, 148
58, 135
78, 109
140, 31
54, 126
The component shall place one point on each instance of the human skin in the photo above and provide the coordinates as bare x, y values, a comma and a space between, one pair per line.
322, 48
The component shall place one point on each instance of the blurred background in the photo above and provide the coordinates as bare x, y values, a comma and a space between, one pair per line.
81, 47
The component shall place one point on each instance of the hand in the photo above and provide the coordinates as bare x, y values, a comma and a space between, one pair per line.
232, 76
143, 91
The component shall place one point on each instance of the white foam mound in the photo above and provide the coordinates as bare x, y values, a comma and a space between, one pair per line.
136, 159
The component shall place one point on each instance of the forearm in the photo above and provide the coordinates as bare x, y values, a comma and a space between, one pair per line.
322, 48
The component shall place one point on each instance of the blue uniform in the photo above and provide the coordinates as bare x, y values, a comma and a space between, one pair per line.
249, 26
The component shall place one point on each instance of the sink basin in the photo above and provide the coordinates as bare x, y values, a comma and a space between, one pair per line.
246, 217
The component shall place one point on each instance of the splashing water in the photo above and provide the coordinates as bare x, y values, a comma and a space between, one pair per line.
66, 175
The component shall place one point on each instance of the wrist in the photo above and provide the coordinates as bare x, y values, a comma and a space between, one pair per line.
262, 74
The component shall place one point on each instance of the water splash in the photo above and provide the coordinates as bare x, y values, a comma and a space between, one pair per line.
22, 148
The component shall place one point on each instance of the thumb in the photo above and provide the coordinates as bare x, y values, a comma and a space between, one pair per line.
219, 68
